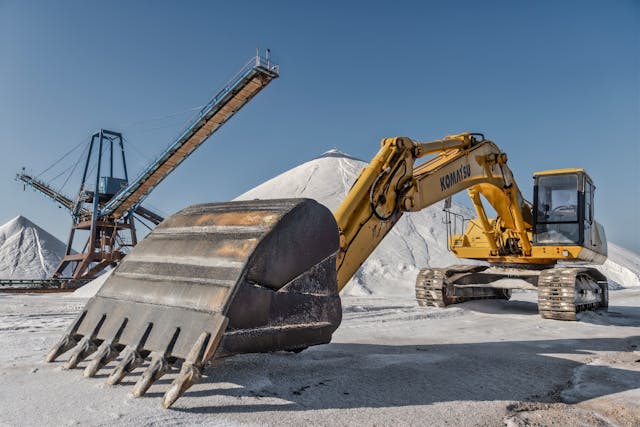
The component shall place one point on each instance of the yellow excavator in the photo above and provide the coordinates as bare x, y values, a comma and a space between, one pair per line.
214, 280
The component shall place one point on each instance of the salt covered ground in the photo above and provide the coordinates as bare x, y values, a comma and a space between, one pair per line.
390, 363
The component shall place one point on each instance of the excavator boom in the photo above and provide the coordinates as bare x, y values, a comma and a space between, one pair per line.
391, 185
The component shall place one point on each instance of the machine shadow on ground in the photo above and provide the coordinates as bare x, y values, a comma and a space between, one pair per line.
338, 376
501, 307
614, 316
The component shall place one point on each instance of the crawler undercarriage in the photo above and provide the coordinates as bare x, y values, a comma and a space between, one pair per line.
562, 291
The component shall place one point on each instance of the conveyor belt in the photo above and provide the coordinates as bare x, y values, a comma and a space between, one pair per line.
248, 82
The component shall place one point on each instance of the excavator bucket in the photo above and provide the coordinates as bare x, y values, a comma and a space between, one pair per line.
211, 281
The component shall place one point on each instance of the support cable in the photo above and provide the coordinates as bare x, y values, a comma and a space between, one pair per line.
74, 168
84, 141
60, 174
137, 151
132, 125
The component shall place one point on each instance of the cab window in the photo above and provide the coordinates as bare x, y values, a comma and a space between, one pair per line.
557, 210
558, 198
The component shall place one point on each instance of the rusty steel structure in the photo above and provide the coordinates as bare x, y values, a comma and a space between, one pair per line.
107, 242
106, 211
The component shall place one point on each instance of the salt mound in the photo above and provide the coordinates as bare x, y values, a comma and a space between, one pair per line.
92, 288
418, 240
622, 267
27, 251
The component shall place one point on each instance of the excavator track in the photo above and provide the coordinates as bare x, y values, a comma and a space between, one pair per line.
564, 292
210, 281
431, 285
430, 288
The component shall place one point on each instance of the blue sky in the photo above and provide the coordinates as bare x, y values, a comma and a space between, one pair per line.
555, 84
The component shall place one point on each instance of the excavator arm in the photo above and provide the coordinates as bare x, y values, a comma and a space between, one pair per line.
392, 184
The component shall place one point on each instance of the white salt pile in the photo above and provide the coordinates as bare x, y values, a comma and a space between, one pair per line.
622, 267
27, 251
92, 288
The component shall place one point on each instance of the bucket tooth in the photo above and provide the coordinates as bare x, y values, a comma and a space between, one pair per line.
85, 348
191, 371
158, 366
156, 369
131, 359
105, 354
189, 375
65, 344
68, 340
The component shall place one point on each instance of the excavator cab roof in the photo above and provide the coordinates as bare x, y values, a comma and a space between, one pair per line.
560, 172
583, 176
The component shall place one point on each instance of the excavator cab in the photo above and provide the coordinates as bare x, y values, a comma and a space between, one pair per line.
563, 206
